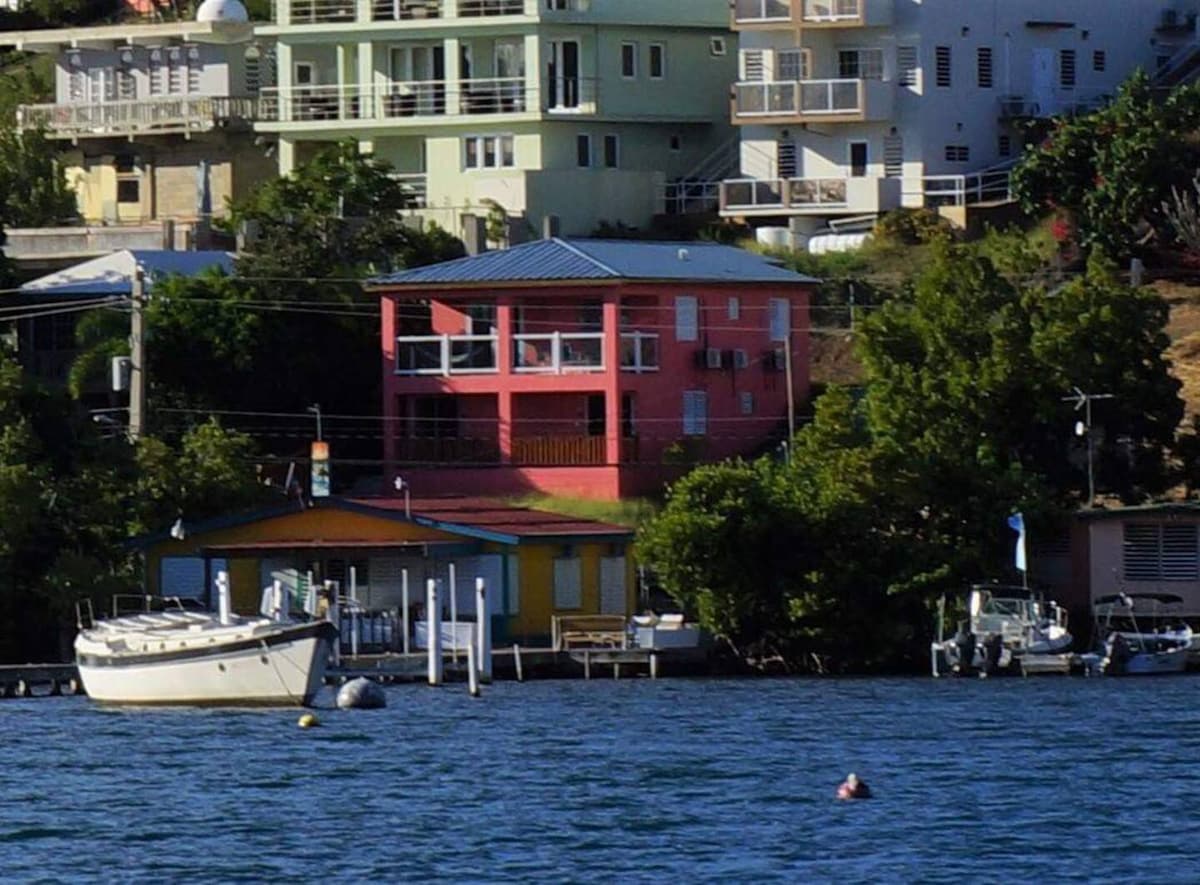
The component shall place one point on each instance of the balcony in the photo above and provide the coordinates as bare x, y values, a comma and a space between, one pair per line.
809, 196
1063, 103
826, 14
159, 115
812, 101
317, 12
398, 100
555, 353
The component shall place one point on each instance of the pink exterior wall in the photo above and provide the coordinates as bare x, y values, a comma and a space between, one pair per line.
548, 404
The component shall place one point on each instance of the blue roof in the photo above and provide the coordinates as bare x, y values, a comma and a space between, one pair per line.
581, 259
112, 274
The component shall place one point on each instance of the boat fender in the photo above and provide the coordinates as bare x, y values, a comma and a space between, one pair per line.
308, 720
361, 694
853, 788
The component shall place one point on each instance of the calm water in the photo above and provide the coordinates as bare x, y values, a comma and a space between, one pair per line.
1046, 779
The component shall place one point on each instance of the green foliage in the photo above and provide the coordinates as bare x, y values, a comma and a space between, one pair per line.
833, 560
1112, 170
912, 227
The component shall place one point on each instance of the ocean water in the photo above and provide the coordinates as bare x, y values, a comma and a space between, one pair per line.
1055, 779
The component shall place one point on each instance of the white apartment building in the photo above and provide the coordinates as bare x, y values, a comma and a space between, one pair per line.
585, 110
854, 107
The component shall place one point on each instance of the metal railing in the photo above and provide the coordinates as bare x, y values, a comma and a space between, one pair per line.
446, 354
160, 113
1066, 103
311, 12
559, 353
559, 451
798, 97
470, 8
762, 10
405, 10
398, 99
639, 351
959, 190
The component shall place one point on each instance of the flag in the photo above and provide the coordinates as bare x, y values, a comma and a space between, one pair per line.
1016, 522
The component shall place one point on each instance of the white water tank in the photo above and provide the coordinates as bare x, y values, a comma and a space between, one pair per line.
823, 243
222, 11
774, 237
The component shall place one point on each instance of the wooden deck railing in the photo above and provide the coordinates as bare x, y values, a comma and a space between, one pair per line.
588, 631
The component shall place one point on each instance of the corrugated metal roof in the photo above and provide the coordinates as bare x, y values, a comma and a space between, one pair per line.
112, 274
582, 259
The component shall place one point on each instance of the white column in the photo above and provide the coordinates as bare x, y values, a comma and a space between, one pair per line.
287, 155
483, 631
453, 613
433, 621
404, 607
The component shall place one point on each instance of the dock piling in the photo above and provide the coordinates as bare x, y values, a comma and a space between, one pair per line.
587, 664
483, 625
433, 620
472, 671
517, 662
653, 665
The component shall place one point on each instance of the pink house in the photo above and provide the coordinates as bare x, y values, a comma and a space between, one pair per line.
592, 368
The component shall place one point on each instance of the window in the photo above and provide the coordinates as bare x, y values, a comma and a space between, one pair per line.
306, 73
488, 152
746, 400
695, 413
858, 159
568, 583
628, 60
1159, 552
1099, 61
158, 70
941, 61
893, 155
126, 85
983, 67
675, 142
753, 65
193, 69
687, 318
716, 46
958, 153
779, 318
1004, 146
1066, 68
658, 61
860, 64
792, 64
735, 308
907, 71
583, 150
785, 158
612, 151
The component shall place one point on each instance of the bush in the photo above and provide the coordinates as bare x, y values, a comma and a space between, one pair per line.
912, 227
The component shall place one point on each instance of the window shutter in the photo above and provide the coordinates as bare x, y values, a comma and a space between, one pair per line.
687, 318
568, 583
780, 318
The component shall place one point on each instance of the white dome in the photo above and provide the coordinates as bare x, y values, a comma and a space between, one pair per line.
222, 11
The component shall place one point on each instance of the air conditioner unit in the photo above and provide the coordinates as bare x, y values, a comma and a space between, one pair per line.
741, 359
712, 357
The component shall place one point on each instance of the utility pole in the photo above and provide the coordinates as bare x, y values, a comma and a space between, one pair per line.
791, 397
137, 362
1084, 428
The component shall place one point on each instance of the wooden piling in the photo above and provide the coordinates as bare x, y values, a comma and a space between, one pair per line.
472, 671
433, 621
517, 662
587, 664
653, 665
483, 630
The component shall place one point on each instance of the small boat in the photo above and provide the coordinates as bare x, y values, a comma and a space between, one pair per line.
1141, 635
169, 653
1008, 629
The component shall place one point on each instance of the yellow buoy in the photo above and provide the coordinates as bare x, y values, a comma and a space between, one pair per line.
308, 720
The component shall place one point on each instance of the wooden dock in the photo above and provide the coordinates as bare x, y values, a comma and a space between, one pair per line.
39, 680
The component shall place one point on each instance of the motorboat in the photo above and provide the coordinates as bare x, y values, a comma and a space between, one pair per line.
1007, 629
1141, 634
170, 653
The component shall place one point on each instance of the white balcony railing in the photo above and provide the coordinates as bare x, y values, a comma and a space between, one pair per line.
446, 354
469, 8
750, 11
797, 98
171, 113
783, 193
833, 10
559, 353
312, 12
398, 99
403, 10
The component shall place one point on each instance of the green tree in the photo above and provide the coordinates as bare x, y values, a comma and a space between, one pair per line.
1112, 170
33, 187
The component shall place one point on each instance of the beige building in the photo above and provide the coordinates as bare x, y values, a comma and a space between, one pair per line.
158, 116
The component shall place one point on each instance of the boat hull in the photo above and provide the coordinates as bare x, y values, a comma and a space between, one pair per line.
285, 667
1152, 663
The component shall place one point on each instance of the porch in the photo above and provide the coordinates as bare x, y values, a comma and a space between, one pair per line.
163, 115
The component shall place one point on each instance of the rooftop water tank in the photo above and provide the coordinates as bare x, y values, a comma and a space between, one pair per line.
222, 11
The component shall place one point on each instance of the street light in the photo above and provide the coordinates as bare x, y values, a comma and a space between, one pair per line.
315, 409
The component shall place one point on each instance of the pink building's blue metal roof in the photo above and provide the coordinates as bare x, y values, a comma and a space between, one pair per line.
585, 260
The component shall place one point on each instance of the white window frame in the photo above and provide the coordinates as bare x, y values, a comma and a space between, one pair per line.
869, 61
311, 67
687, 318
695, 413
662, 61
792, 61
497, 142
630, 72
733, 308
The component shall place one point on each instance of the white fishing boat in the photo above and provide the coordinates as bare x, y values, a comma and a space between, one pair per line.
1008, 629
1141, 635
177, 655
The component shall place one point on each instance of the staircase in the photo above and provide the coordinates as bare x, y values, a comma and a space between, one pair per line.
1183, 67
700, 190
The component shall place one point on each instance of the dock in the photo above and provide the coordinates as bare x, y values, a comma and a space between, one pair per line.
35, 680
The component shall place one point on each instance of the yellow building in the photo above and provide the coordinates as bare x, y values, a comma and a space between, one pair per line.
536, 565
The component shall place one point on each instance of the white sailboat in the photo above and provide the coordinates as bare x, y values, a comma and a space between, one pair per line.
181, 656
